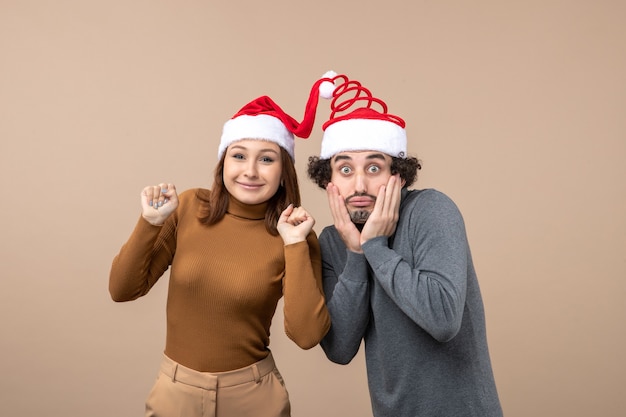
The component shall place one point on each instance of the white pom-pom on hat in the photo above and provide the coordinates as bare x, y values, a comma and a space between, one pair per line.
327, 88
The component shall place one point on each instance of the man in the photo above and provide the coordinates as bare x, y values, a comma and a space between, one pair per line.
397, 271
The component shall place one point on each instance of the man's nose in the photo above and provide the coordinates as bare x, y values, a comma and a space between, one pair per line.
360, 184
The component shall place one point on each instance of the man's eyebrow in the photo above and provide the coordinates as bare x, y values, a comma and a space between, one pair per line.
348, 158
342, 157
376, 156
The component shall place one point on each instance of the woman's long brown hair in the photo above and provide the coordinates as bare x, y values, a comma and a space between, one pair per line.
215, 201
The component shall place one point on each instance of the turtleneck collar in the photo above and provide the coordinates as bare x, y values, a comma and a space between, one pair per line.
246, 211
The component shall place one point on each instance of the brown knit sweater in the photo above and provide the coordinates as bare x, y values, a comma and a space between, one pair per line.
225, 281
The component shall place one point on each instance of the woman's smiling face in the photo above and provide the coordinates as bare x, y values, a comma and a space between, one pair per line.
252, 170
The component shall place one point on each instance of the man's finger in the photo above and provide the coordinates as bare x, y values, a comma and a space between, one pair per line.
379, 204
390, 195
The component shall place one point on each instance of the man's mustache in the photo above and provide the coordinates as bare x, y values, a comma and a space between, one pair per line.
360, 195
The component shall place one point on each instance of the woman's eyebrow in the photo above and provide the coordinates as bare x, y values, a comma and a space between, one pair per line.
260, 150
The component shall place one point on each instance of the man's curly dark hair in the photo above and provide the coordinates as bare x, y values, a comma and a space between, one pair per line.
320, 173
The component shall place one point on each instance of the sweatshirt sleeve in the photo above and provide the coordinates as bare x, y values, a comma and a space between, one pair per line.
306, 316
431, 290
347, 290
142, 260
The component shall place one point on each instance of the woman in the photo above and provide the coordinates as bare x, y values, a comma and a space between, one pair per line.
234, 251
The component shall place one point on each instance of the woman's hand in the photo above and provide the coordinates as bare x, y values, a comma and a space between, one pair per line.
294, 224
158, 202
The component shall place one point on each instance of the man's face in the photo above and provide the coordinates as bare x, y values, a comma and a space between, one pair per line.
358, 177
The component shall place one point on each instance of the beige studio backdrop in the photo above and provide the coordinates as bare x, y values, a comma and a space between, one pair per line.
516, 109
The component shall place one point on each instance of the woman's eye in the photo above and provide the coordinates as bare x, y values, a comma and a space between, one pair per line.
267, 159
238, 156
345, 170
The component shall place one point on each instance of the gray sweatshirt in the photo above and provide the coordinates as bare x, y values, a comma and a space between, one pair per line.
415, 301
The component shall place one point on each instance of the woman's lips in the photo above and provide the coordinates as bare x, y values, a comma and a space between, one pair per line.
250, 186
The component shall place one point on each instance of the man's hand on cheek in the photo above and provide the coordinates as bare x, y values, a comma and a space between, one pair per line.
343, 223
384, 218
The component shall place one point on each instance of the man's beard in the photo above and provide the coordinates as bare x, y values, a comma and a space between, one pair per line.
359, 216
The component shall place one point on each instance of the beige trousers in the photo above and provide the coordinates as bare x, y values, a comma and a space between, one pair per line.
257, 390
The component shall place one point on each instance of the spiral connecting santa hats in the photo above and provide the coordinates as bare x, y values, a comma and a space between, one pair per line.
263, 119
363, 128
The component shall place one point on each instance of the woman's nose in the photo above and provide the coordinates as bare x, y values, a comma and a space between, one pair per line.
251, 169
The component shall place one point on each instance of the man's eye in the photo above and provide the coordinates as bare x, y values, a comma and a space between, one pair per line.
373, 169
345, 170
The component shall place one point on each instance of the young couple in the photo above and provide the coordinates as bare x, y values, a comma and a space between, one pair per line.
394, 270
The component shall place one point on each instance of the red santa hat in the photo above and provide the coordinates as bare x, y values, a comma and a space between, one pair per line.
363, 128
263, 119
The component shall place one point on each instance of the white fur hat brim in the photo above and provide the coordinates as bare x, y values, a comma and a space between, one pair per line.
364, 135
259, 127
